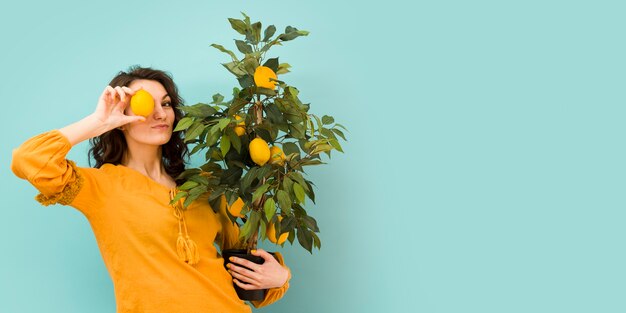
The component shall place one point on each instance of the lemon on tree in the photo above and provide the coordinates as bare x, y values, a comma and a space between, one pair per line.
142, 103
262, 76
240, 129
271, 233
259, 151
235, 208
277, 156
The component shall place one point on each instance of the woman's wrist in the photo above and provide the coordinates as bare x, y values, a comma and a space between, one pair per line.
87, 128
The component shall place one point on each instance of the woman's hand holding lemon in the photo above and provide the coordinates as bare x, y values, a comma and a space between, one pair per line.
111, 106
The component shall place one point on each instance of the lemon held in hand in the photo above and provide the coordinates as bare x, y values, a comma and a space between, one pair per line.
259, 151
262, 76
142, 103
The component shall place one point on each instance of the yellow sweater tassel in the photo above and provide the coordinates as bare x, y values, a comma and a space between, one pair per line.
186, 249
193, 255
182, 248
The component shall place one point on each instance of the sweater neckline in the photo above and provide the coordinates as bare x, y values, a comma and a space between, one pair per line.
152, 181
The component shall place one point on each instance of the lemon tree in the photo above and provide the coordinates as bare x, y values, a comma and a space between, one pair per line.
257, 144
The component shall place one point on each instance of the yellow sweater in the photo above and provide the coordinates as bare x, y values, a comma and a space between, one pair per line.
136, 230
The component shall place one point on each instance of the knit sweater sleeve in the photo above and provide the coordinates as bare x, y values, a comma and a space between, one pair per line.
229, 239
41, 160
275, 294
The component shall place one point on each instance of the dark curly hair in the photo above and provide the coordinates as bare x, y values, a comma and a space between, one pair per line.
111, 147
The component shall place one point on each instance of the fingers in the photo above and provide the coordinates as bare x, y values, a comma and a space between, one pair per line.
264, 254
245, 279
245, 286
129, 91
135, 118
242, 271
121, 93
111, 95
107, 94
243, 262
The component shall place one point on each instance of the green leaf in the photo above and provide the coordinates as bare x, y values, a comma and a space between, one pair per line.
235, 140
287, 184
283, 68
256, 32
221, 48
270, 208
246, 81
235, 68
312, 162
305, 239
265, 91
269, 32
188, 185
178, 196
246, 18
292, 33
321, 148
200, 179
243, 47
296, 130
194, 131
194, 194
217, 98
328, 134
260, 191
248, 178
183, 124
250, 64
298, 177
310, 191
336, 145
283, 200
297, 189
251, 225
272, 63
214, 136
338, 132
223, 123
316, 241
263, 171
273, 113
320, 125
288, 223
231, 176
311, 223
197, 148
339, 125
201, 110
236, 105
238, 25
225, 145
290, 147
326, 119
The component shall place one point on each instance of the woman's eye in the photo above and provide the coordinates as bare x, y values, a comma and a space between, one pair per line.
167, 104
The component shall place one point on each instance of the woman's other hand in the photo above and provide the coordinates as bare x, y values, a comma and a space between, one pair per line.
270, 274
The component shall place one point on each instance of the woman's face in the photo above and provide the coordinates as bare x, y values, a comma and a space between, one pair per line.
157, 129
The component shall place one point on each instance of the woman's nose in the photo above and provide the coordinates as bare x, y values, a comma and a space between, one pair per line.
159, 113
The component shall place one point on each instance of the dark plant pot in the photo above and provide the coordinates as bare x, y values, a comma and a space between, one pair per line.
249, 295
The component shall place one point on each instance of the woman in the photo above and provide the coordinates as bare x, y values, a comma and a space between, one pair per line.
161, 258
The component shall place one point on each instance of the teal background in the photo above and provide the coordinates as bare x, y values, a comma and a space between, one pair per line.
484, 170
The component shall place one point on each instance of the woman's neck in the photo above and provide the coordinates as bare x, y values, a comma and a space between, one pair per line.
147, 160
